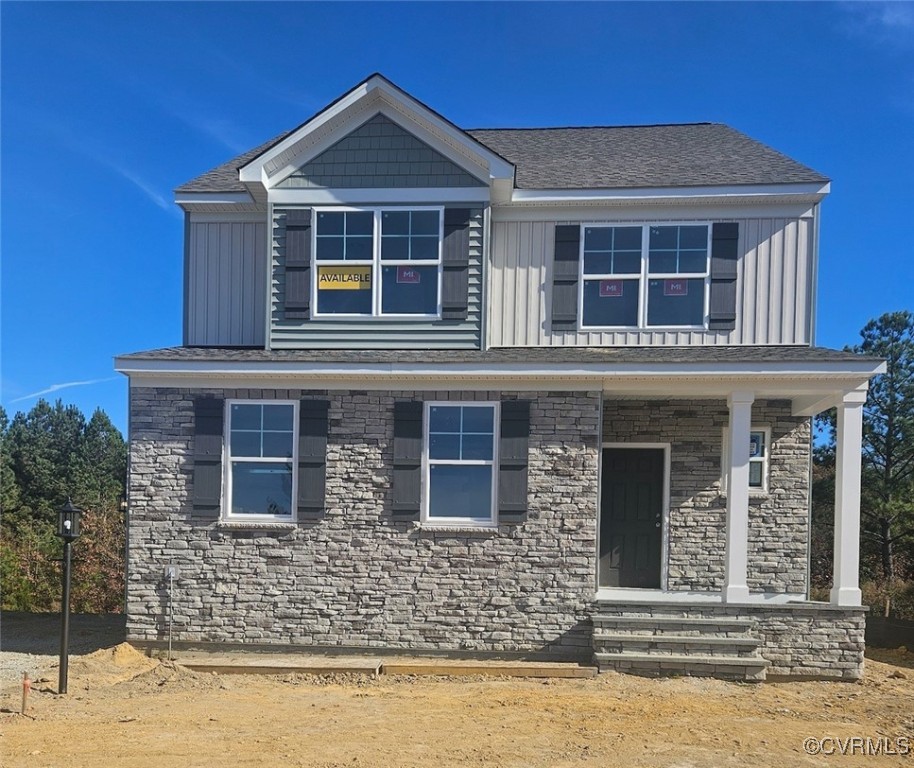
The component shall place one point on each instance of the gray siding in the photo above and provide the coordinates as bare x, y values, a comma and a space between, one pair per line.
379, 154
226, 283
774, 289
377, 333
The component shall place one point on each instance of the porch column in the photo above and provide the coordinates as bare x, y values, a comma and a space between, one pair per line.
845, 586
735, 587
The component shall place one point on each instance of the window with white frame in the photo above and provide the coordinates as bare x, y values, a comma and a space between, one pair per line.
260, 479
759, 441
644, 276
378, 262
460, 463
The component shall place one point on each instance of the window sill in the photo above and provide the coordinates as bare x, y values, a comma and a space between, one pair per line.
457, 527
753, 495
247, 525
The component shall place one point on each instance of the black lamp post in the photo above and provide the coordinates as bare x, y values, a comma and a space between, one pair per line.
68, 530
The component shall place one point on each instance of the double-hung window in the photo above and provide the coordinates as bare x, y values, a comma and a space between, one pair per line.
460, 466
644, 276
260, 481
380, 262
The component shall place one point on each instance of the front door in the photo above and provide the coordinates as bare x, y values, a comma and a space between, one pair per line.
631, 517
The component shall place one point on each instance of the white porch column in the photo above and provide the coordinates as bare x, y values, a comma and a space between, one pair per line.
735, 588
845, 587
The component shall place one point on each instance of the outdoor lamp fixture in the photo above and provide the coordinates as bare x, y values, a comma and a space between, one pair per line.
68, 530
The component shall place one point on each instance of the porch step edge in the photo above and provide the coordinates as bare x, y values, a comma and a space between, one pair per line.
605, 637
734, 621
670, 662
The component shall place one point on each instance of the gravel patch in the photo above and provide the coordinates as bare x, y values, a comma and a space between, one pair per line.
30, 642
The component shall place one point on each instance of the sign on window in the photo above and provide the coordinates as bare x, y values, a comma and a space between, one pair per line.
344, 278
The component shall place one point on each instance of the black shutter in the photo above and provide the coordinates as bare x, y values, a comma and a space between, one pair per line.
298, 264
512, 461
724, 256
407, 471
455, 278
565, 277
209, 413
312, 458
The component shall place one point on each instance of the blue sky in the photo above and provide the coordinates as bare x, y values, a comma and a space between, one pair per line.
107, 107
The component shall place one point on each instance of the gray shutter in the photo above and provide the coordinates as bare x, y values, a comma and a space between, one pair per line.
455, 278
407, 471
724, 256
565, 277
514, 437
298, 264
209, 413
312, 458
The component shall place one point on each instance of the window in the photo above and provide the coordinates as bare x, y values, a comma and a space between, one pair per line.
460, 465
759, 440
378, 262
261, 453
644, 276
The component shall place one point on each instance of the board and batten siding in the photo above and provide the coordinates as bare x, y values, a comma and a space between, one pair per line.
376, 332
774, 289
226, 283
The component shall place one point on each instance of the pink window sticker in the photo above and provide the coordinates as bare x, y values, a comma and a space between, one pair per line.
610, 289
409, 275
675, 288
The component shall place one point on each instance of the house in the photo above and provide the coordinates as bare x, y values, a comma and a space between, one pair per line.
538, 393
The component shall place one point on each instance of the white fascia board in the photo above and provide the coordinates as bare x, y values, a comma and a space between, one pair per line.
191, 198
359, 195
672, 371
747, 192
253, 172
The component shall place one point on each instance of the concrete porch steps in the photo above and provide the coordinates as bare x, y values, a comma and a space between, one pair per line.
676, 640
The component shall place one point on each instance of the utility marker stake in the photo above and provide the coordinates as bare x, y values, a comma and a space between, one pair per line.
26, 687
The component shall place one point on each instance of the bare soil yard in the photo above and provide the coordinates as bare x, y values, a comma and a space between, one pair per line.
127, 710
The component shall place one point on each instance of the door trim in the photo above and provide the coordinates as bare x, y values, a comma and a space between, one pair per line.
665, 512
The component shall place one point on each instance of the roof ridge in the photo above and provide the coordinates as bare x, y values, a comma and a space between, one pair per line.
595, 127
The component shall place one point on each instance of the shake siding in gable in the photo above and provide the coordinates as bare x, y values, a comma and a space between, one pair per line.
226, 274
773, 289
376, 333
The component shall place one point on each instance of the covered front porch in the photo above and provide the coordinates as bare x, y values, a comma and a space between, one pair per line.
705, 491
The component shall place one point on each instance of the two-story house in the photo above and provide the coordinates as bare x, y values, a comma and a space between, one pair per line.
541, 393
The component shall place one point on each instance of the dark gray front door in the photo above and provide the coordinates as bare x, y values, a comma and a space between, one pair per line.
631, 516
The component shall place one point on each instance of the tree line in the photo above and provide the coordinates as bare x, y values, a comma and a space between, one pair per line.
53, 453
48, 455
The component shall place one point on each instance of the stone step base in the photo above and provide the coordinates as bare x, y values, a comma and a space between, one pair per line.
752, 669
686, 645
675, 623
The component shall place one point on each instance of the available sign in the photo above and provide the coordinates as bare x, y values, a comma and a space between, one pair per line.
344, 278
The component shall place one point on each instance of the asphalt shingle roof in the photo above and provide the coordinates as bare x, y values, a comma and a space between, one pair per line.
687, 155
697, 154
530, 355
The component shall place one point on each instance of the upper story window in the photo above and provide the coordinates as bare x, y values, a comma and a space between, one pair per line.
644, 276
378, 262
259, 477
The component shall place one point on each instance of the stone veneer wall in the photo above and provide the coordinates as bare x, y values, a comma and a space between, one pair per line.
778, 520
357, 577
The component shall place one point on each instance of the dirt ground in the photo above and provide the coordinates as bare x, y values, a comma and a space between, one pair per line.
126, 710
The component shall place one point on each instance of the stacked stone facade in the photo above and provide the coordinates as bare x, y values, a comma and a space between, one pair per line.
357, 577
696, 527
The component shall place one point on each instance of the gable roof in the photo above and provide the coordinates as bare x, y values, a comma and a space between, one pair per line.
597, 157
